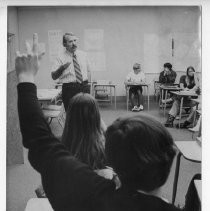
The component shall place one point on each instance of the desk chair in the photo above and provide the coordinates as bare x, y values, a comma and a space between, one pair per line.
102, 92
181, 114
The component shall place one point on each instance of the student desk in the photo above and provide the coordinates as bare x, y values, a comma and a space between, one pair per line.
47, 95
127, 87
38, 204
183, 94
164, 89
109, 85
191, 151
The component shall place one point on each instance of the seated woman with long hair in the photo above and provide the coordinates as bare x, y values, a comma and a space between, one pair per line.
83, 133
188, 82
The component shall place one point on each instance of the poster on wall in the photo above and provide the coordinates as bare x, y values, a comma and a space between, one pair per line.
55, 43
97, 61
94, 39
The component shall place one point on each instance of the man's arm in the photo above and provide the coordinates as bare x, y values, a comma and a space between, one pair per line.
58, 72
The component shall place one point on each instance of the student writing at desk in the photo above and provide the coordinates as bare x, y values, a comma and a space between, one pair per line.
71, 68
136, 76
188, 82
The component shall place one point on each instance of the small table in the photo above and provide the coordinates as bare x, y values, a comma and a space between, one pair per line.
127, 87
110, 85
183, 94
191, 151
38, 204
165, 89
47, 95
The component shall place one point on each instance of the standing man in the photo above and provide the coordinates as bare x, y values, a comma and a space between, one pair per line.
72, 69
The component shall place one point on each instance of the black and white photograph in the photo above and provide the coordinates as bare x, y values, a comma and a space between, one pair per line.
104, 106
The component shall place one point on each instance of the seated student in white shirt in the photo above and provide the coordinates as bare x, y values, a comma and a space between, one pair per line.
136, 76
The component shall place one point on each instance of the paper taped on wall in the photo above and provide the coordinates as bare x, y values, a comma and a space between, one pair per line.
55, 43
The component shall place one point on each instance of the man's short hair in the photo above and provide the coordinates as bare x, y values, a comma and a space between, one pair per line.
168, 65
67, 34
141, 152
136, 66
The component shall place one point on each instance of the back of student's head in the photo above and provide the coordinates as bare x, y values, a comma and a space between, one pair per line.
141, 151
82, 132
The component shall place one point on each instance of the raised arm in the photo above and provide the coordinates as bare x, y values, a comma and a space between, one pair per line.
67, 182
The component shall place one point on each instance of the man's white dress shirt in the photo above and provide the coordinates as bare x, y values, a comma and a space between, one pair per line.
68, 74
136, 78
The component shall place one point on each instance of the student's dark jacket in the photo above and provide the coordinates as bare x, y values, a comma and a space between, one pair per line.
69, 184
167, 79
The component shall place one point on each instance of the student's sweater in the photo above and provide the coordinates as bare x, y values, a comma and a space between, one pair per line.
69, 184
136, 78
167, 79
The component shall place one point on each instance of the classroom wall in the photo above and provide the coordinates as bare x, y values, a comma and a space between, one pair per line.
14, 139
126, 30
12, 27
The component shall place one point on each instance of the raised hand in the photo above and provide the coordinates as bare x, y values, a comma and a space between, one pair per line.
27, 65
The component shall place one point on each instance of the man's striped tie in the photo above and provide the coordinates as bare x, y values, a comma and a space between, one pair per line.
77, 69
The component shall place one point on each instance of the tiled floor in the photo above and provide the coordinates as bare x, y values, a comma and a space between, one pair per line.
22, 179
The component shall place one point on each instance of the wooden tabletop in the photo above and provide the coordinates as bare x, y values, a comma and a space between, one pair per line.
174, 88
47, 94
185, 93
38, 204
191, 150
136, 84
104, 85
198, 186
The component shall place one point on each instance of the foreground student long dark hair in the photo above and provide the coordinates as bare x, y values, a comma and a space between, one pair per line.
82, 133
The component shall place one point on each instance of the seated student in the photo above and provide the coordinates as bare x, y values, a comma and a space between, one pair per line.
167, 76
136, 76
82, 133
139, 148
188, 82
